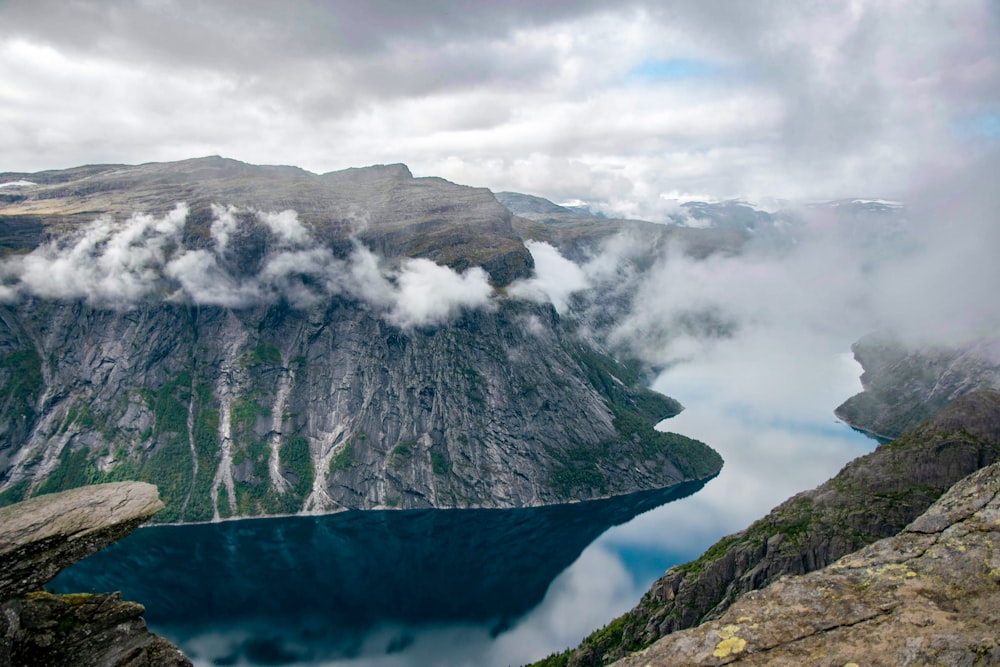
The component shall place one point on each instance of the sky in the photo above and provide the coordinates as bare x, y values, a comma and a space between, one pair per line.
618, 104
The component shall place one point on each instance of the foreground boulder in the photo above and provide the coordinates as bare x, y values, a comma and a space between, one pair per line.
41, 536
873, 497
930, 595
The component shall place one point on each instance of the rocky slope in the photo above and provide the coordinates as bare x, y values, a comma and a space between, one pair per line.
41, 536
284, 342
904, 384
872, 498
928, 596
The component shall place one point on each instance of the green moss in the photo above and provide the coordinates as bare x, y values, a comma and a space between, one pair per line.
15, 493
22, 383
342, 459
713, 553
243, 416
402, 452
440, 463
262, 355
294, 457
600, 642
74, 470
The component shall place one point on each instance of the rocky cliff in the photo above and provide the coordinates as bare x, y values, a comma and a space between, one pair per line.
906, 383
261, 340
872, 498
41, 536
928, 596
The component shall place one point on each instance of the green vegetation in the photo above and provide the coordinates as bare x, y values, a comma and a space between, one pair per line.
576, 470
167, 464
14, 494
597, 643
342, 460
636, 411
440, 463
402, 452
206, 442
262, 355
243, 416
294, 457
21, 372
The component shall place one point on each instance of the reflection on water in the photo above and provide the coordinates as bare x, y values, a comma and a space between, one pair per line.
307, 588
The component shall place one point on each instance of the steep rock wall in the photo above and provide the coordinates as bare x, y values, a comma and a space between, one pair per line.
277, 410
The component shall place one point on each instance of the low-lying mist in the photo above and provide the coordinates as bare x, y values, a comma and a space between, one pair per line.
116, 264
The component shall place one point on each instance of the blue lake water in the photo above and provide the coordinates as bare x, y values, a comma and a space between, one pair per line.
482, 587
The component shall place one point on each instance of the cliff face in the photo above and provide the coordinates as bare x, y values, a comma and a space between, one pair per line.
872, 498
41, 536
252, 362
904, 385
928, 596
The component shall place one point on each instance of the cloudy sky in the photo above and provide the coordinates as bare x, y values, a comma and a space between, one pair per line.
616, 103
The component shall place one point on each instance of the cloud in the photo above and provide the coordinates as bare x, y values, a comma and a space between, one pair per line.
118, 264
107, 262
224, 225
556, 278
204, 282
428, 293
286, 227
778, 99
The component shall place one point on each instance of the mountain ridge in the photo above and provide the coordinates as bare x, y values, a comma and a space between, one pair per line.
287, 342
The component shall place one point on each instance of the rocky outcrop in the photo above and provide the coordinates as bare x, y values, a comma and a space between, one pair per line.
41, 536
905, 384
928, 596
872, 498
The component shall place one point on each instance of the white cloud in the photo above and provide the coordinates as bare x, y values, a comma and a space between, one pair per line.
848, 99
556, 278
286, 226
224, 225
428, 293
107, 263
117, 264
204, 282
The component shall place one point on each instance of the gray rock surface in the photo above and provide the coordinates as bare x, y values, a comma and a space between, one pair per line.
41, 536
928, 596
38, 538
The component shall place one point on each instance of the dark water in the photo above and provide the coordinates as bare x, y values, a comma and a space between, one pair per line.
315, 589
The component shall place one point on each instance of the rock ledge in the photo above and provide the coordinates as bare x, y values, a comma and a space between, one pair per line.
41, 536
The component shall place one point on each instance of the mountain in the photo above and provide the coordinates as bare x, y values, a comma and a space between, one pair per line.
906, 383
576, 232
873, 497
927, 596
263, 340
